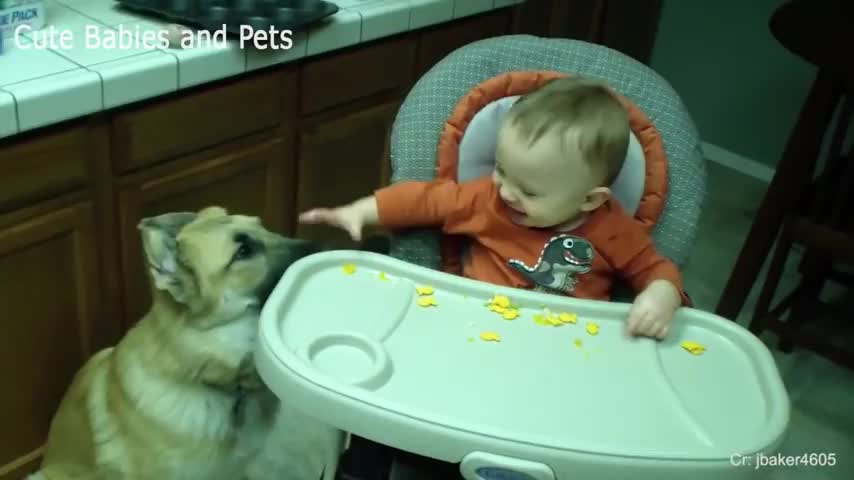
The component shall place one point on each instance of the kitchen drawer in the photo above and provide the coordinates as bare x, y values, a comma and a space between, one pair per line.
181, 125
343, 77
34, 168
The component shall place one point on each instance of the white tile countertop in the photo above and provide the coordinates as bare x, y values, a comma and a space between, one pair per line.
77, 64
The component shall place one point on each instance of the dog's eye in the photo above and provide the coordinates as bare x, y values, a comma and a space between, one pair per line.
245, 247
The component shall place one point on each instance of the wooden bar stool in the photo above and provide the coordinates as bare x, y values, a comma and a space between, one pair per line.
815, 214
819, 32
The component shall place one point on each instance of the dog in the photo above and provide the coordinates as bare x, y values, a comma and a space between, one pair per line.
178, 398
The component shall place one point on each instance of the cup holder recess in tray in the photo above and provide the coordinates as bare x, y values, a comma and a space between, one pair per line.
258, 14
349, 357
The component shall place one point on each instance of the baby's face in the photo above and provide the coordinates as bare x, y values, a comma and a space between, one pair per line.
543, 185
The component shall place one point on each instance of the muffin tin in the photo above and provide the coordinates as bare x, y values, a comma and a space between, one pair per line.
259, 14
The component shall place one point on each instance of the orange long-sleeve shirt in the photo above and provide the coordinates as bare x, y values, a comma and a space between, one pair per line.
584, 262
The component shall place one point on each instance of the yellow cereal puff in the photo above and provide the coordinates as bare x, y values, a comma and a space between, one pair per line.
568, 317
349, 268
540, 320
511, 314
693, 347
501, 301
554, 320
592, 328
427, 301
490, 337
497, 308
577, 342
424, 290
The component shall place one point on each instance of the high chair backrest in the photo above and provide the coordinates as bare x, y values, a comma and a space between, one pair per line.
663, 182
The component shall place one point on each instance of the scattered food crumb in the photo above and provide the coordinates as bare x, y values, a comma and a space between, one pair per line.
427, 301
471, 339
577, 342
501, 301
592, 328
383, 276
693, 347
490, 337
424, 290
549, 319
502, 305
349, 268
498, 308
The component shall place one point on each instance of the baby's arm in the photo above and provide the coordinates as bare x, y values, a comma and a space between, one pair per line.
403, 205
352, 218
656, 278
652, 311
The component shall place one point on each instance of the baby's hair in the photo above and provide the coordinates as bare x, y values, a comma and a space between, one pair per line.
579, 106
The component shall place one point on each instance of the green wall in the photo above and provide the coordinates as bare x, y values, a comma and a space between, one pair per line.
742, 88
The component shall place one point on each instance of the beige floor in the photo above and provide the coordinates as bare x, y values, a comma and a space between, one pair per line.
821, 393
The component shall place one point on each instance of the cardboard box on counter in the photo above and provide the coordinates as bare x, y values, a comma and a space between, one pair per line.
14, 13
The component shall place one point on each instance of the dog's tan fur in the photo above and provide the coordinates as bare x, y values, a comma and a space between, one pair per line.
178, 397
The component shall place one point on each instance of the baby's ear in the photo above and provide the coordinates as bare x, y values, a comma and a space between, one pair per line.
160, 249
595, 198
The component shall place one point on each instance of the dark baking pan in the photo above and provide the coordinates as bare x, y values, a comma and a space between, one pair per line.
259, 14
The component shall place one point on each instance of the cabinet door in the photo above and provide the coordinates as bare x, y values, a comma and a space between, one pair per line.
437, 42
49, 323
341, 159
251, 177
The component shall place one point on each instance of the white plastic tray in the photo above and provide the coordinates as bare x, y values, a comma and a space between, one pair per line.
344, 338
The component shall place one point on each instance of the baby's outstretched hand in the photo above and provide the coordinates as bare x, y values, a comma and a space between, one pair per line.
652, 311
346, 218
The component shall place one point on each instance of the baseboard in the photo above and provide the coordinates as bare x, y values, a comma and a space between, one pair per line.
737, 162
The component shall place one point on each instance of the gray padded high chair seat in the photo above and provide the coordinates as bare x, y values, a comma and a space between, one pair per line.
421, 118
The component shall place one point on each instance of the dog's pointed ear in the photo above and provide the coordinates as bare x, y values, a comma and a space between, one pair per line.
160, 248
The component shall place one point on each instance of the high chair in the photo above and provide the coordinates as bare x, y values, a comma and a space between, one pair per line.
400, 350
445, 101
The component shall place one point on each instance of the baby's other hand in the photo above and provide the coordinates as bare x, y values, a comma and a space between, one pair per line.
653, 309
346, 218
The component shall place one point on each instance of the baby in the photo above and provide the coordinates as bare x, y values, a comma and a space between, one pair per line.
545, 218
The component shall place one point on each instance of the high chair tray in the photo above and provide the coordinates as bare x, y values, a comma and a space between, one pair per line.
442, 366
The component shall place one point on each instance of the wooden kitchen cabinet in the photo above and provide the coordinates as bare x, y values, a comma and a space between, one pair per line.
341, 159
270, 143
629, 27
50, 320
171, 127
435, 43
252, 177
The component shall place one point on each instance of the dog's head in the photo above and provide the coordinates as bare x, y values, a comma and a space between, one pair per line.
213, 264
